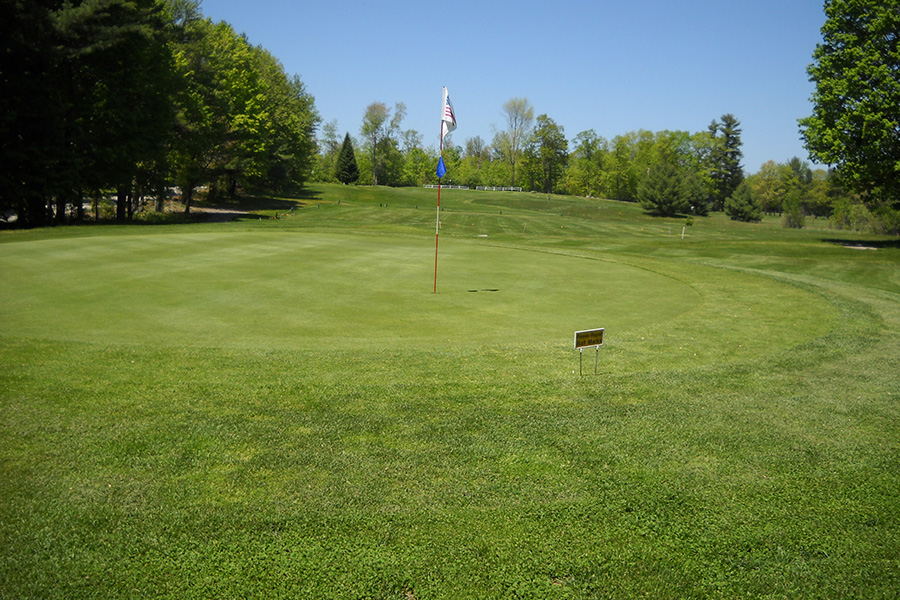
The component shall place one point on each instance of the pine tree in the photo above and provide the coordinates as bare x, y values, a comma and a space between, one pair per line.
727, 172
346, 170
663, 191
742, 206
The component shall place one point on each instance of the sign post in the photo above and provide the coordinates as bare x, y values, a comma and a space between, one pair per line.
585, 339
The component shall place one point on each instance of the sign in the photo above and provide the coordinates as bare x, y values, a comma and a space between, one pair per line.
589, 337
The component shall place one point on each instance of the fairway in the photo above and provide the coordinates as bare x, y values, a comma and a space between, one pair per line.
283, 408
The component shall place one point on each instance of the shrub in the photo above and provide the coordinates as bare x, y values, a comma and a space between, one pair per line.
793, 215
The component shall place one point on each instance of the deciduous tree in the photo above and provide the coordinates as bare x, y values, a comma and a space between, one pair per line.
374, 128
855, 125
509, 143
585, 175
329, 146
546, 154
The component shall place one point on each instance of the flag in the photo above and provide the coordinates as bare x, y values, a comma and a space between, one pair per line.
441, 169
448, 117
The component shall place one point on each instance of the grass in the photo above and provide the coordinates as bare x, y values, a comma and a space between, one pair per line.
282, 408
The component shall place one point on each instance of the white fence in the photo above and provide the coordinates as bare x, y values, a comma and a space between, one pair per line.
480, 187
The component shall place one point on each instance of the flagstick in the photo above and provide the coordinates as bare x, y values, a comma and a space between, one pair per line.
437, 230
437, 226
447, 125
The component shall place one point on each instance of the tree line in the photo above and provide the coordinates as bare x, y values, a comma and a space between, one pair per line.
667, 172
124, 99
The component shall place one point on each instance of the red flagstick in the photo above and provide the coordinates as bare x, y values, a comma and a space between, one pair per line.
437, 230
437, 227
442, 170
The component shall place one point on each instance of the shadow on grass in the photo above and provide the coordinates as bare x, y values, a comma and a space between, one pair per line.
246, 207
293, 198
864, 244
243, 207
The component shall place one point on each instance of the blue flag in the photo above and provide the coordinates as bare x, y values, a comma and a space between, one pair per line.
441, 169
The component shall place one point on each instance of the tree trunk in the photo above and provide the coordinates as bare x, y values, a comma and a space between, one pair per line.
187, 194
160, 199
232, 185
374, 163
121, 203
61, 208
79, 207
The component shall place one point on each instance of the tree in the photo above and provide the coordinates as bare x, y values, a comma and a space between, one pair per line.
814, 190
375, 128
412, 140
509, 143
472, 169
278, 127
793, 215
632, 156
199, 150
329, 146
855, 125
742, 206
346, 170
770, 185
819, 194
622, 178
241, 118
694, 193
85, 102
662, 192
687, 153
725, 159
477, 150
30, 115
116, 70
182, 12
546, 153
800, 169
585, 175
418, 167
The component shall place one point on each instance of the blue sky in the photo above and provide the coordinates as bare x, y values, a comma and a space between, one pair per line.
613, 67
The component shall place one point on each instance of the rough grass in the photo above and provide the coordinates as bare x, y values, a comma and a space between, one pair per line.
181, 414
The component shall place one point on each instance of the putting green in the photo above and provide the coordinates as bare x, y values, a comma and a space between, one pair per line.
308, 290
314, 291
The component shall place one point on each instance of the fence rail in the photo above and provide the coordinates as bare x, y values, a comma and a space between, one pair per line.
498, 189
479, 187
